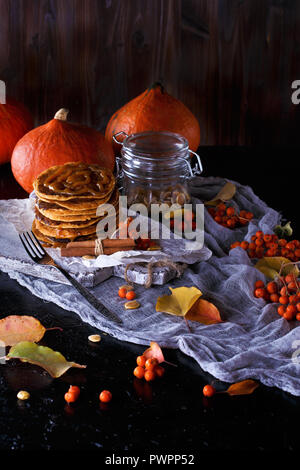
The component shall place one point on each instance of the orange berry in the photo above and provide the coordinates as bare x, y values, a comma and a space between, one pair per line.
159, 370
151, 363
289, 278
218, 219
221, 207
259, 234
298, 316
259, 242
130, 295
260, 293
259, 251
252, 246
149, 375
267, 238
282, 242
270, 253
249, 215
245, 245
284, 300
288, 316
291, 309
74, 389
234, 245
70, 397
139, 372
283, 291
272, 287
105, 396
208, 391
274, 298
290, 246
297, 252
298, 307
253, 238
281, 310
230, 211
141, 360
292, 286
231, 223
259, 284
122, 292
293, 298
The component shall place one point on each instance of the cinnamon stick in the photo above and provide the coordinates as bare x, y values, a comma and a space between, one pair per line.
106, 243
83, 251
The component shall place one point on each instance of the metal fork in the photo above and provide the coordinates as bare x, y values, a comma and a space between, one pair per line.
37, 253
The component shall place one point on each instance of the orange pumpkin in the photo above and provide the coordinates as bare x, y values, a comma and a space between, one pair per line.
56, 143
154, 110
15, 121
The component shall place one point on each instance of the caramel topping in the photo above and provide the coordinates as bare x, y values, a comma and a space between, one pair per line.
76, 179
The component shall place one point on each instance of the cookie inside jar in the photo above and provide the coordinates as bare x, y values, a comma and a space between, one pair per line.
177, 194
156, 169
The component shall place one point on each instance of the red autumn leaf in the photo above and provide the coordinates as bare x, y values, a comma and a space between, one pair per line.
204, 312
154, 351
246, 387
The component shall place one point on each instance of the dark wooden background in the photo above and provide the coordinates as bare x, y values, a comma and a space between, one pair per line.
231, 61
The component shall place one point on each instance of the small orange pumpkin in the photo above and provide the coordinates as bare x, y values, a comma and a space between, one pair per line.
154, 110
56, 143
15, 121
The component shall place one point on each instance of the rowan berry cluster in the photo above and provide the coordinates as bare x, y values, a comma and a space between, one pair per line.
228, 216
148, 369
268, 245
285, 291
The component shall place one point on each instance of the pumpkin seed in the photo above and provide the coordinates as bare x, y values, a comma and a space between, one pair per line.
23, 395
128, 287
94, 338
132, 305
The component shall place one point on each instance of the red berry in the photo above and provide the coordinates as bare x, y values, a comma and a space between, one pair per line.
259, 284
105, 396
291, 309
260, 293
208, 391
272, 287
281, 310
274, 298
284, 300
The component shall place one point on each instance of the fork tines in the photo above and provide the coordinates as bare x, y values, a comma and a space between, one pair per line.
32, 246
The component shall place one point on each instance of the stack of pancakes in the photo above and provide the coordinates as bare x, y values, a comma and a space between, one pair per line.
67, 198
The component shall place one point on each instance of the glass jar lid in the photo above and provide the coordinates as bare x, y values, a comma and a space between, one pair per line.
161, 145
156, 155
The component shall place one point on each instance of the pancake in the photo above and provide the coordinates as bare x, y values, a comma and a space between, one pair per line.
70, 217
65, 224
67, 199
74, 180
57, 242
77, 204
55, 211
63, 233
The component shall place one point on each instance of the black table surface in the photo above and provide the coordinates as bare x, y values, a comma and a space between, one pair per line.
169, 415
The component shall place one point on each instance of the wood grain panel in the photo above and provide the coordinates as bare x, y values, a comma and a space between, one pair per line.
231, 61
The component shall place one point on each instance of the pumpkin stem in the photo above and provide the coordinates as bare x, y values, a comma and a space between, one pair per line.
62, 114
156, 85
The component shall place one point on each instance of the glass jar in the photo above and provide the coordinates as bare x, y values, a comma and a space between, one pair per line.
155, 168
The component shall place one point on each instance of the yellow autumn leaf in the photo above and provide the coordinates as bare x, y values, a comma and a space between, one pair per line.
179, 302
225, 194
52, 361
270, 266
